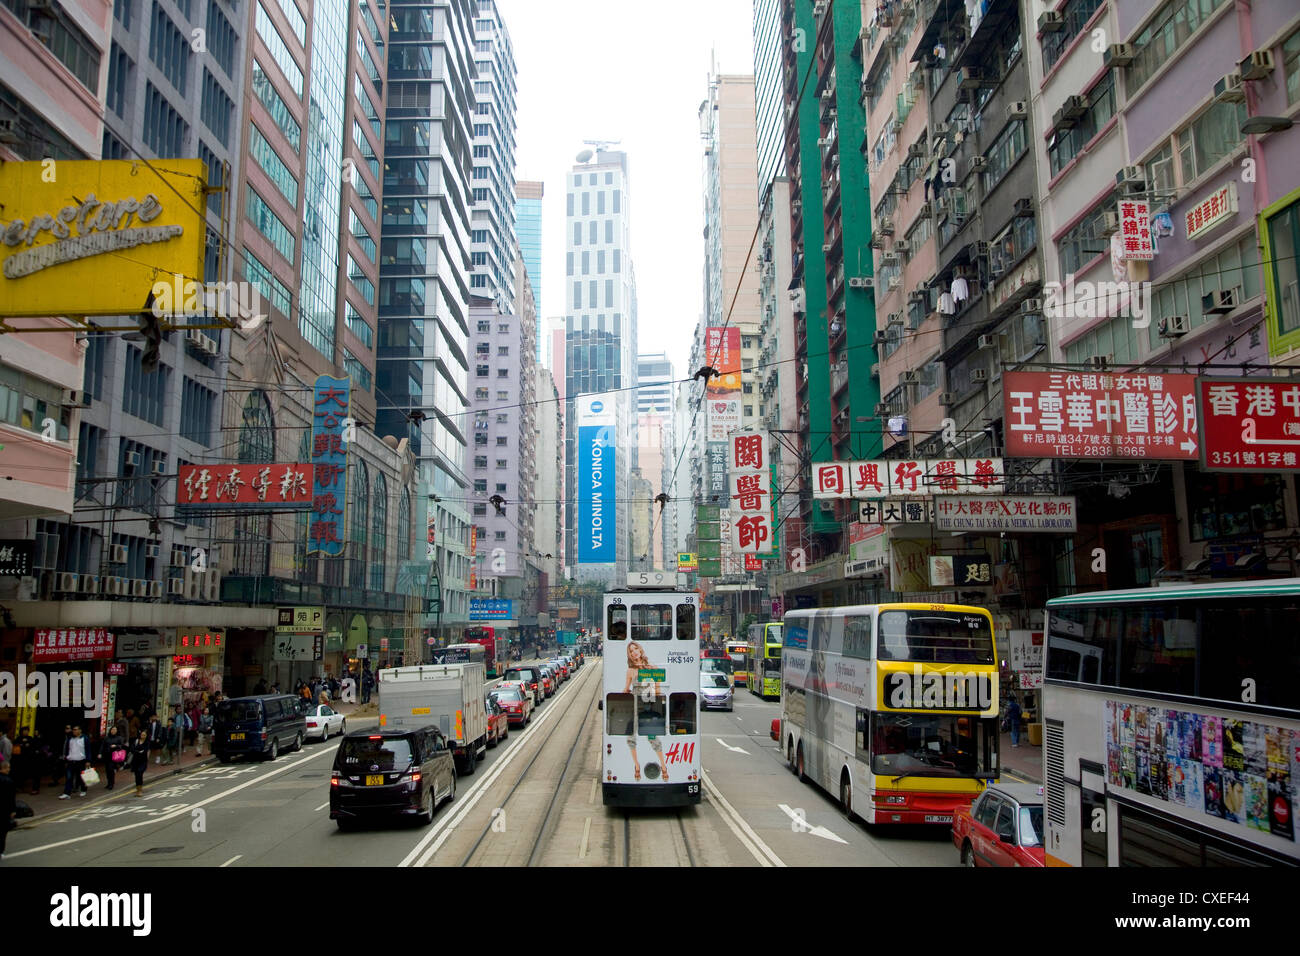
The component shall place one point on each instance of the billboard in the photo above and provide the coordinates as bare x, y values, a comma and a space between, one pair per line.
282, 487
751, 493
1100, 415
491, 609
331, 400
722, 352
1249, 424
597, 459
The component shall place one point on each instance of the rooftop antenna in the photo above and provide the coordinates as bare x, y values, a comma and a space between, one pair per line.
601, 144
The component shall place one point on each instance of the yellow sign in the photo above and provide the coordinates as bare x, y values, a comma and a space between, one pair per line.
686, 561
91, 237
419, 711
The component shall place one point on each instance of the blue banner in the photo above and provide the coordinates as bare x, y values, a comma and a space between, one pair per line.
329, 453
597, 495
491, 609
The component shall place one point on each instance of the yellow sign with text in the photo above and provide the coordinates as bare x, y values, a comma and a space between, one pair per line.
90, 237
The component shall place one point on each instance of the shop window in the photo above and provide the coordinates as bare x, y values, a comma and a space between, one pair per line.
1222, 505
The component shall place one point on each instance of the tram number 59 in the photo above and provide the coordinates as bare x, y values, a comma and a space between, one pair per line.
692, 788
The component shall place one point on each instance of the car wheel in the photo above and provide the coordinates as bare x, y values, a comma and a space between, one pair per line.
274, 751
224, 758
297, 743
343, 727
967, 854
343, 824
452, 795
426, 815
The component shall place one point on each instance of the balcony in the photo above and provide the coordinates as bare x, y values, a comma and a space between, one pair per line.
839, 376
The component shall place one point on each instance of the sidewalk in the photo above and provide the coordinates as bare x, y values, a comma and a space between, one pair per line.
1025, 761
47, 803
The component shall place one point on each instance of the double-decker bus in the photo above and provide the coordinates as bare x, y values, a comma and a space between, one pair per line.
494, 650
650, 753
1171, 719
738, 651
892, 707
765, 659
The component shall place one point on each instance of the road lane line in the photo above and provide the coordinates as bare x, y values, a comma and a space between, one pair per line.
591, 797
230, 861
187, 808
751, 840
423, 851
586, 832
321, 807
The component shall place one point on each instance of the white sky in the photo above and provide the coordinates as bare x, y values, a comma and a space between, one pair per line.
635, 72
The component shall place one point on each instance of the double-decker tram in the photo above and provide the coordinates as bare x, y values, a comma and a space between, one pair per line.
651, 683
892, 707
1171, 726
765, 659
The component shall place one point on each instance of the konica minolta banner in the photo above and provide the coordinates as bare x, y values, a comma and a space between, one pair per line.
597, 484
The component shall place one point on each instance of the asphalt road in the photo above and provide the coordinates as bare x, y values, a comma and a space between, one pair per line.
534, 800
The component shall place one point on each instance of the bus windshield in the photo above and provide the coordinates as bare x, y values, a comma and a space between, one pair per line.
939, 637
932, 745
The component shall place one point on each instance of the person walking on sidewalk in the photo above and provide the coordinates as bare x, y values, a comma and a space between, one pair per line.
157, 737
172, 747
74, 757
139, 755
113, 752
1013, 718
205, 732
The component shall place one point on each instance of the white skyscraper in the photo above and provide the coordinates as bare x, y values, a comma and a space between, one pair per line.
492, 225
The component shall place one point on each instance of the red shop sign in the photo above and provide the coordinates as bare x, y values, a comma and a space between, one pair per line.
72, 644
251, 486
1249, 424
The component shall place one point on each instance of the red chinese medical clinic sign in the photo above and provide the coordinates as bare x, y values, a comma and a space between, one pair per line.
253, 486
1251, 424
751, 493
83, 644
1100, 415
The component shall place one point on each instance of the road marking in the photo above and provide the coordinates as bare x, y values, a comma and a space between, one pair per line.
734, 750
591, 797
321, 807
183, 810
805, 828
586, 832
744, 833
441, 830
230, 861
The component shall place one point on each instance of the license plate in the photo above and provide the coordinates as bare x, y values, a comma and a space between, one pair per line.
236, 736
374, 780
937, 818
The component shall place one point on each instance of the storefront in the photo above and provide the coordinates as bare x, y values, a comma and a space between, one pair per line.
198, 668
144, 685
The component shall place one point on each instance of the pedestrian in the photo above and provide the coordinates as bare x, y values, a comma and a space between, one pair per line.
6, 747
192, 723
121, 725
113, 752
1013, 718
157, 735
205, 731
260, 686
132, 725
172, 742
8, 804
140, 748
367, 683
189, 727
74, 762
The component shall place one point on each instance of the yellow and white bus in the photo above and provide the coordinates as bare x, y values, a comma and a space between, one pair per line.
650, 749
738, 651
1171, 722
891, 707
765, 659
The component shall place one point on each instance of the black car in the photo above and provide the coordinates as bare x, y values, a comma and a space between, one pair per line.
531, 677
391, 773
258, 726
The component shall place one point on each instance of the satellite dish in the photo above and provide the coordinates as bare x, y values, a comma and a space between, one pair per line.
585, 155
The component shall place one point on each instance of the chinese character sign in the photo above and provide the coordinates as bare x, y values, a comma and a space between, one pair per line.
1250, 424
885, 478
1215, 208
890, 511
76, 644
722, 352
1007, 513
1102, 415
751, 493
332, 399
1135, 229
282, 487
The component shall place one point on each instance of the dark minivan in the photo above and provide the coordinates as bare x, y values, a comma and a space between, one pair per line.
531, 677
261, 726
392, 772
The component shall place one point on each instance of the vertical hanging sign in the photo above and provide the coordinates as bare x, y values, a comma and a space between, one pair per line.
332, 399
751, 492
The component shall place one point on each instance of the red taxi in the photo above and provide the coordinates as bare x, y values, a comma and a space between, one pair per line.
1003, 827
515, 698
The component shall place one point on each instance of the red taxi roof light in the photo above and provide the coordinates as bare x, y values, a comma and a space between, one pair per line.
376, 737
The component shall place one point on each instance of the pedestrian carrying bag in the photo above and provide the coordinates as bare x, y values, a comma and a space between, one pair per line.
90, 776
118, 756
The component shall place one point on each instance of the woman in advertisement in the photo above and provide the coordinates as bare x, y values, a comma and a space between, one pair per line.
648, 694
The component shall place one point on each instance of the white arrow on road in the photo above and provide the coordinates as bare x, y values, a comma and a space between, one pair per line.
798, 817
734, 750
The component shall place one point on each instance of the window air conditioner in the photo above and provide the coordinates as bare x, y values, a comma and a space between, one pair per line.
176, 586
979, 375
1228, 89
151, 550
159, 467
66, 582
139, 587
886, 227
970, 79
977, 163
1173, 327
132, 459
1219, 302
910, 377
882, 337
155, 589
902, 245
1257, 66
1017, 110
862, 282
72, 398
947, 399
1110, 223
1132, 177
987, 342
883, 409
1050, 22
1118, 54
1031, 307
117, 554
90, 584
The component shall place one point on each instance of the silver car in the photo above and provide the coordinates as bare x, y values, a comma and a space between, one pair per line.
715, 690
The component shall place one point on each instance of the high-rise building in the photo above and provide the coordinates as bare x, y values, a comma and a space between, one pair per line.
555, 350
600, 324
528, 227
654, 383
424, 319
492, 226
547, 533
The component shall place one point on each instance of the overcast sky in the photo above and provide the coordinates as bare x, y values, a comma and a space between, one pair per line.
635, 72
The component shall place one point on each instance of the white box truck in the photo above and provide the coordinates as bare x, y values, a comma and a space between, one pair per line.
448, 696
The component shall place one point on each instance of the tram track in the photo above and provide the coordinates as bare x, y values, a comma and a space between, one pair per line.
650, 848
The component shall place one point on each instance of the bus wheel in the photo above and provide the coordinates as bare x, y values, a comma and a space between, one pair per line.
846, 796
789, 754
803, 778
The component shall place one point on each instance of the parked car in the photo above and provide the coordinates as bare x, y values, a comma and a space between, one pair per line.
408, 772
498, 725
258, 726
516, 699
715, 691
324, 722
530, 675
1003, 827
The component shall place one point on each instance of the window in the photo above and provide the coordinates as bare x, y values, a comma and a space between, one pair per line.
480, 485
503, 396
120, 71
618, 200
609, 230
682, 711
620, 715
591, 233
618, 261
270, 225
480, 510
1165, 33
267, 284
1082, 244
1223, 505
577, 233
1284, 277
1064, 144
274, 167
502, 441
501, 463
278, 109
197, 404
503, 373
279, 51
1076, 14
1002, 155
164, 129
143, 395
169, 49
216, 108
26, 401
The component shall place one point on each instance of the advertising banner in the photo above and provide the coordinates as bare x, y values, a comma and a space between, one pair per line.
1027, 658
723, 417
329, 452
299, 647
16, 557
491, 609
1011, 513
1250, 424
1135, 229
282, 487
597, 479
77, 644
909, 564
867, 541
918, 476
92, 237
751, 493
1215, 208
961, 570
722, 352
300, 620
717, 460
1100, 415
687, 561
